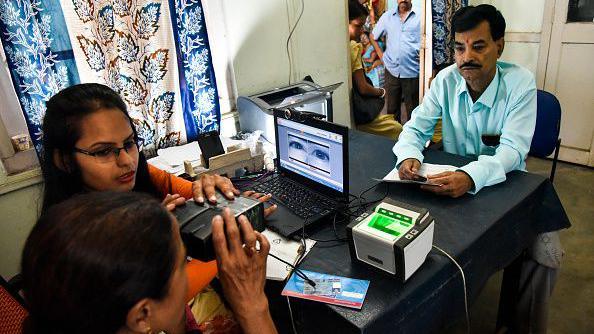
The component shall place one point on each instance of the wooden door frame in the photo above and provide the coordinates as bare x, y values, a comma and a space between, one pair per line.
545, 43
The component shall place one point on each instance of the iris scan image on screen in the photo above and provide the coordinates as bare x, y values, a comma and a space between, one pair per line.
309, 152
314, 153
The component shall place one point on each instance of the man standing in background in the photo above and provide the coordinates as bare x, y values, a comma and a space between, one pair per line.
402, 28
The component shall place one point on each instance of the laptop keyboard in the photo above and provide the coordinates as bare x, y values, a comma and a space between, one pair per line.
303, 202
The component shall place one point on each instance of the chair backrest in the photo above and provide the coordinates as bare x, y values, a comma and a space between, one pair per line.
12, 310
548, 124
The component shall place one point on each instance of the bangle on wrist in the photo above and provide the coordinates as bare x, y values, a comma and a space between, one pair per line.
383, 93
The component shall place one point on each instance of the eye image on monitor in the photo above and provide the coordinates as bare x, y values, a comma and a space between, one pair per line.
309, 152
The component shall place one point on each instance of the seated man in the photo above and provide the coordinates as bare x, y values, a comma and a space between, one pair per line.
475, 98
488, 110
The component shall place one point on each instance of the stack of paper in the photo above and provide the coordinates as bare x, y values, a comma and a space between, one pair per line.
171, 159
176, 155
285, 249
425, 170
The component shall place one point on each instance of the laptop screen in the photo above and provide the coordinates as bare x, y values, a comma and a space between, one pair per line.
311, 152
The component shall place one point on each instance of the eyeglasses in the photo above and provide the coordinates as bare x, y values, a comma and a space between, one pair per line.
110, 154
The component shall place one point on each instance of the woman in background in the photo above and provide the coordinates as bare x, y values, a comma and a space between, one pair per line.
113, 262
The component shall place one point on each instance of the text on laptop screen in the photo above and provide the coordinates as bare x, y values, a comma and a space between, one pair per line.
311, 152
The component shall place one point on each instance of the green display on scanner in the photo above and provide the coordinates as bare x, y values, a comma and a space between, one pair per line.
390, 222
394, 237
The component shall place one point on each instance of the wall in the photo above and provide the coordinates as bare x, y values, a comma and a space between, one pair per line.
12, 123
523, 30
18, 212
248, 39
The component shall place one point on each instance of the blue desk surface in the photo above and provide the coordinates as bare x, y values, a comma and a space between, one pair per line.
484, 233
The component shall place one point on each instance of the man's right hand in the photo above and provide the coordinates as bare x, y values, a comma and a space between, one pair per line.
408, 169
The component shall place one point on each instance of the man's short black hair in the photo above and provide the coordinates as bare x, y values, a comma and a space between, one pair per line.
357, 10
468, 18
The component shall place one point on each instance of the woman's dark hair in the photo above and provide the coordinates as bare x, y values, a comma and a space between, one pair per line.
61, 131
357, 10
91, 258
467, 18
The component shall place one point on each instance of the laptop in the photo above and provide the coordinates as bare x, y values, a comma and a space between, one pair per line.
313, 177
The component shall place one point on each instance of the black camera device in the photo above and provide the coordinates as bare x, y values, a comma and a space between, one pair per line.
195, 222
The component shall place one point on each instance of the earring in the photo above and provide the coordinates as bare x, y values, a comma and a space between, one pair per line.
148, 331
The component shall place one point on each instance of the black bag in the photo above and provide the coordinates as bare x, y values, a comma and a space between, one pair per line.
366, 108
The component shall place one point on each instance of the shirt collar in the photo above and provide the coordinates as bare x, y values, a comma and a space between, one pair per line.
487, 98
412, 11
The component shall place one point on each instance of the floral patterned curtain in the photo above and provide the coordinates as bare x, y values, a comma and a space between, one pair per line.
196, 75
39, 56
154, 53
443, 37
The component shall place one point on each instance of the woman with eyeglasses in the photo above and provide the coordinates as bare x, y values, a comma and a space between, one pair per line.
90, 144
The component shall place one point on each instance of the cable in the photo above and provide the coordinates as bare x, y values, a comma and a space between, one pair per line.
289, 39
362, 204
297, 271
334, 225
354, 198
291, 314
463, 284
338, 238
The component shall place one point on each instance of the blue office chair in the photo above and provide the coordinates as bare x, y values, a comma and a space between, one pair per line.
548, 124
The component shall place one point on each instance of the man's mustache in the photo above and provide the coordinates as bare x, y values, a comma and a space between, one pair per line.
470, 65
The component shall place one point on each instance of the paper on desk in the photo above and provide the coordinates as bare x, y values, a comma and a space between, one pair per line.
230, 142
426, 169
175, 170
176, 155
162, 165
286, 250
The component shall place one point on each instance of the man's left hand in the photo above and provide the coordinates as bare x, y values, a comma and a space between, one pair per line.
453, 184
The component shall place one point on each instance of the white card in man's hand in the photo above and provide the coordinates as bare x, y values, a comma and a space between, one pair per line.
425, 170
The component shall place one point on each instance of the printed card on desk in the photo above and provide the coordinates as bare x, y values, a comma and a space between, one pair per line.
335, 290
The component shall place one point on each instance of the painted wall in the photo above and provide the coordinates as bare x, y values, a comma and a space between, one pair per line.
18, 211
251, 36
522, 43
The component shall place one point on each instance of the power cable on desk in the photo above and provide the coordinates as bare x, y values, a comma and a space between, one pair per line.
337, 239
346, 211
297, 271
362, 204
463, 284
291, 315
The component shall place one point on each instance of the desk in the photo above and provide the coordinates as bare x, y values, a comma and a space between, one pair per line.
484, 233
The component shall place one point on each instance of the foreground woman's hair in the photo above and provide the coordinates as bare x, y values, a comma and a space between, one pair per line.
91, 258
